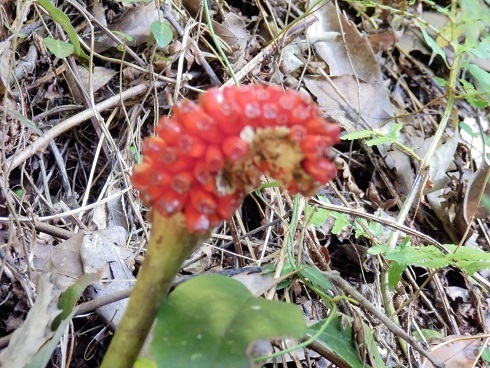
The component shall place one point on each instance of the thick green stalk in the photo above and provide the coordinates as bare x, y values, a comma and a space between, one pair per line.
170, 245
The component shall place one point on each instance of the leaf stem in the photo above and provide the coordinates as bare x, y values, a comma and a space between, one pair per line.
170, 245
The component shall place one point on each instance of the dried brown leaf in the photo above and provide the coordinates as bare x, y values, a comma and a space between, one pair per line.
349, 98
478, 187
455, 352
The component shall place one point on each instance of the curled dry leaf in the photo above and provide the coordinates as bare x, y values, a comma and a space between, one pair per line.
134, 24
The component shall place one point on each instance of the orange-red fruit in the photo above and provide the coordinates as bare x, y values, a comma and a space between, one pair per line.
322, 170
182, 182
234, 148
203, 201
214, 159
170, 202
198, 163
168, 129
227, 205
196, 221
223, 110
190, 146
197, 122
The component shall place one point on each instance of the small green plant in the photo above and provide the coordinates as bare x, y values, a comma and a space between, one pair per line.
60, 48
378, 137
469, 260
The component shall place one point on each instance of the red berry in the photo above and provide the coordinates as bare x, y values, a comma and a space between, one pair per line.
322, 170
222, 109
203, 201
214, 159
169, 130
315, 146
170, 202
227, 205
297, 133
182, 182
196, 221
234, 148
190, 146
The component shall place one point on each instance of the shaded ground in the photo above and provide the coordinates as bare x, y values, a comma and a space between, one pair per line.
69, 140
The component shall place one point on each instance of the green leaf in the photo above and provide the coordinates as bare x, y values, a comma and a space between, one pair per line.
468, 259
357, 135
317, 278
472, 96
341, 220
433, 45
427, 334
426, 256
270, 184
69, 298
62, 19
395, 131
482, 81
440, 81
23, 120
372, 346
162, 33
465, 127
395, 274
338, 340
316, 216
486, 354
211, 320
379, 140
60, 49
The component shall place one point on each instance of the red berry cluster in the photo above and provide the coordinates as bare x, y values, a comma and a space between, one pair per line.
208, 155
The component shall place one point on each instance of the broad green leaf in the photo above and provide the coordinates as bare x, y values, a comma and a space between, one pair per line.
316, 216
211, 320
341, 220
23, 120
433, 45
426, 256
62, 19
357, 135
162, 33
482, 80
315, 276
339, 340
395, 274
486, 354
60, 49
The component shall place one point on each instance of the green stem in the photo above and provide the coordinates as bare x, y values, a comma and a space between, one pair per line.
170, 245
